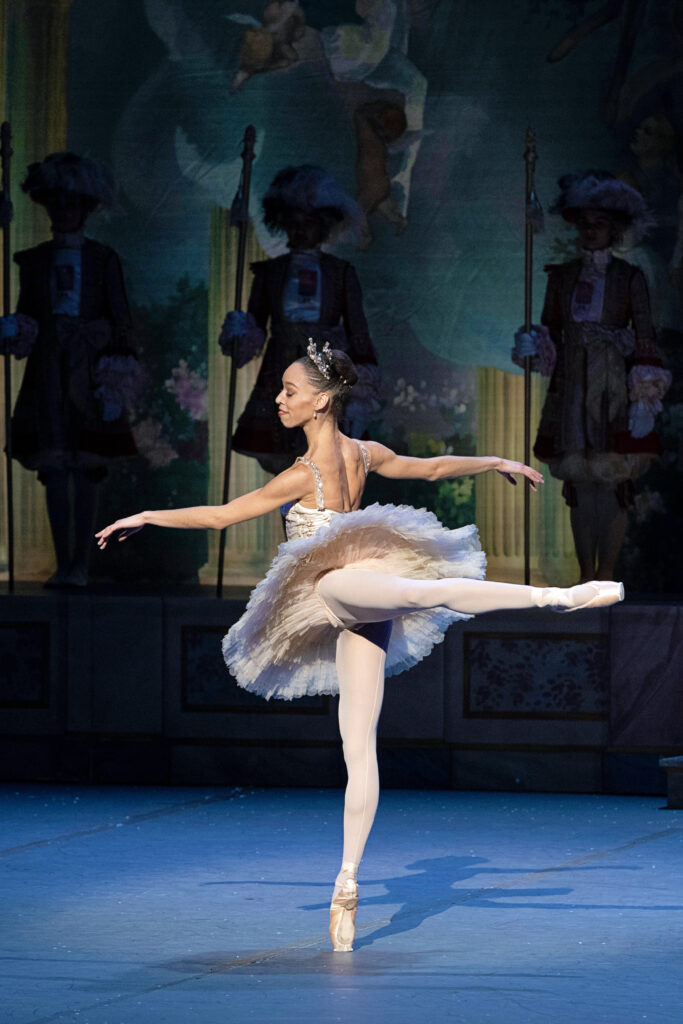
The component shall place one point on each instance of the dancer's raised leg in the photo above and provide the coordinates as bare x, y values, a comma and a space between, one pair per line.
359, 595
360, 667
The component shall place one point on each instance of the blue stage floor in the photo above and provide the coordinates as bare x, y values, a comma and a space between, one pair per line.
170, 906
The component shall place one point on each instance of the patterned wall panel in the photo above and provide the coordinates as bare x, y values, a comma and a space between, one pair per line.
24, 664
206, 684
542, 676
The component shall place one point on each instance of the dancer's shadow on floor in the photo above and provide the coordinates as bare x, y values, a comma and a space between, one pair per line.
435, 886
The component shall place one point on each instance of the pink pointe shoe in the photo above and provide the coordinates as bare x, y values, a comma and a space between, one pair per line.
343, 916
596, 594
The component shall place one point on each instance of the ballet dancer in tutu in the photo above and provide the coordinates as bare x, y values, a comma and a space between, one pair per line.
354, 594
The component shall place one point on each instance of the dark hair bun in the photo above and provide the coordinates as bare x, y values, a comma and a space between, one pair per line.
345, 372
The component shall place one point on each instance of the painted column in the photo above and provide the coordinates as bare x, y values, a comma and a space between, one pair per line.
35, 35
249, 546
500, 508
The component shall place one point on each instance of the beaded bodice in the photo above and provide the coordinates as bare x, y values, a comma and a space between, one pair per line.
304, 522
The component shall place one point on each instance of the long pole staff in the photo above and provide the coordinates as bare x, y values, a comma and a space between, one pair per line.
239, 217
5, 158
531, 206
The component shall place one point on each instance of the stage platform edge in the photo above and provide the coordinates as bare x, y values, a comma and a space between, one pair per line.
109, 687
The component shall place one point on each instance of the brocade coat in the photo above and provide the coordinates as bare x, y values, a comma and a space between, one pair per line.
342, 322
57, 421
583, 433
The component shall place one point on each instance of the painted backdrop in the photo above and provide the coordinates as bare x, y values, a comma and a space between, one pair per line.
419, 107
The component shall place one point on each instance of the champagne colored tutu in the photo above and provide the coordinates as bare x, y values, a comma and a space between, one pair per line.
285, 644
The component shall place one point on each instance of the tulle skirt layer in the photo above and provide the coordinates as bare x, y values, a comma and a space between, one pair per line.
284, 645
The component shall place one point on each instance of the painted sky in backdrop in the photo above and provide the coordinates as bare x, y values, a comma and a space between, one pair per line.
152, 90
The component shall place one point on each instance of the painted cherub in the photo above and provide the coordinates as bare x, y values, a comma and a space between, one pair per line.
268, 45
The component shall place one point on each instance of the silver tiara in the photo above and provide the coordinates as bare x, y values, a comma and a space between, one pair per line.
322, 359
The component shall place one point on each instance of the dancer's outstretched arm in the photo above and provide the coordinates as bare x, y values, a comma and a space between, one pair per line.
290, 485
442, 467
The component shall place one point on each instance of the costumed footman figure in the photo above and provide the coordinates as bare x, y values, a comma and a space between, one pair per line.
73, 323
596, 342
354, 594
305, 292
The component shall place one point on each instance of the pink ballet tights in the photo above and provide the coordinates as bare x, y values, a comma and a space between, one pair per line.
360, 668
356, 597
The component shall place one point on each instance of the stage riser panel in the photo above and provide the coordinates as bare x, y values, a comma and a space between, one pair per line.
133, 688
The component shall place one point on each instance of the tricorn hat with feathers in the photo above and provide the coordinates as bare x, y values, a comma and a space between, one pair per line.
600, 190
312, 189
69, 172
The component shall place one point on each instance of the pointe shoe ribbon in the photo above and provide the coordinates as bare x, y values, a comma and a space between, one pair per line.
343, 916
596, 594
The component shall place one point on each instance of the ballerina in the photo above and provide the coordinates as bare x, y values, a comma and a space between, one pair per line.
354, 594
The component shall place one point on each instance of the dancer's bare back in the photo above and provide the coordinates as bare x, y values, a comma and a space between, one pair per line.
342, 472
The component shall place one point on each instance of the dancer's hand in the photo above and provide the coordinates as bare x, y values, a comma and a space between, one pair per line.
507, 467
124, 527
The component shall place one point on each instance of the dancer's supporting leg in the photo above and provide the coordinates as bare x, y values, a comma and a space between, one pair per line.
358, 595
360, 667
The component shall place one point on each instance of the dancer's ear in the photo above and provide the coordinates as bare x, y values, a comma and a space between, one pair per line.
322, 402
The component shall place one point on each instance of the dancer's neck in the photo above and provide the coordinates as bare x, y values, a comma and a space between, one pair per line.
322, 434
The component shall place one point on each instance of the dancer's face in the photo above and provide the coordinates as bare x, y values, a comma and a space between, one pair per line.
298, 399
